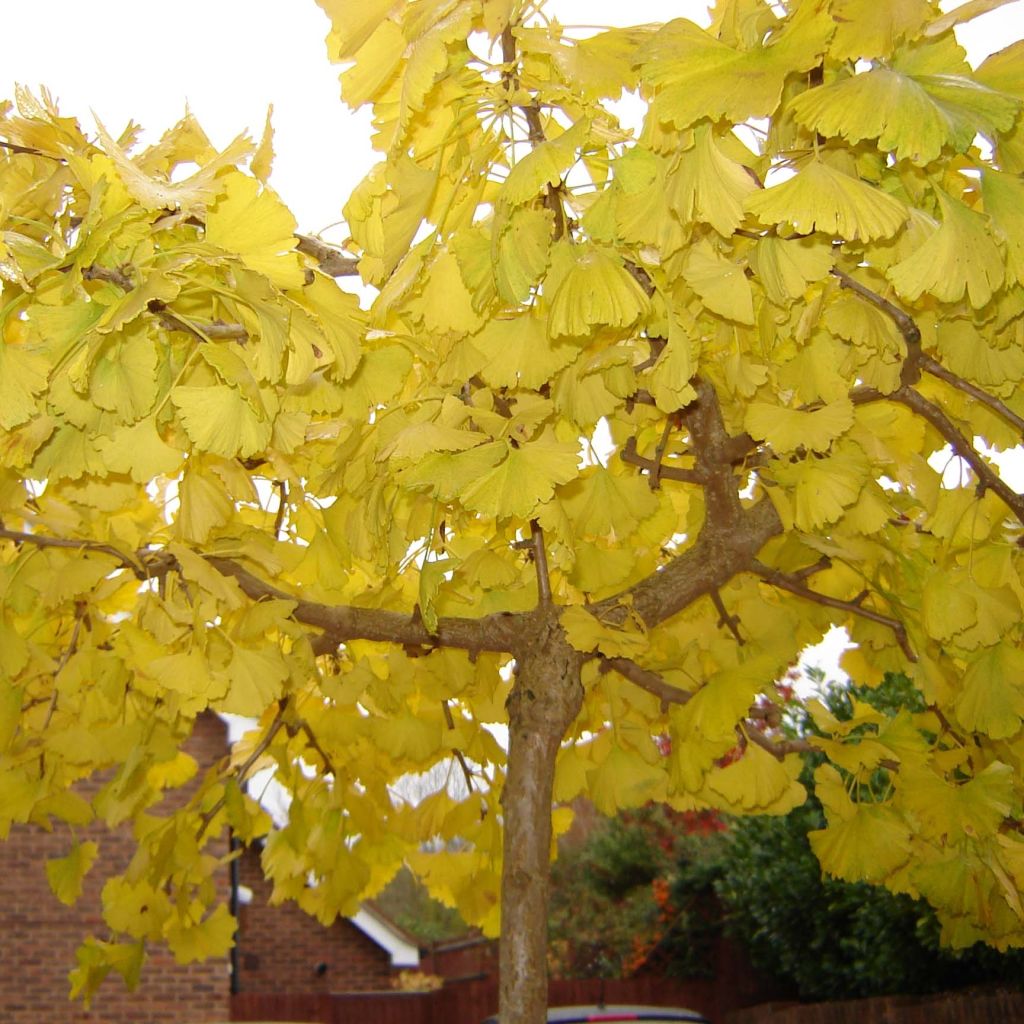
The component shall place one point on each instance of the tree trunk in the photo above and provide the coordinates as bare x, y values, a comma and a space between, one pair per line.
546, 697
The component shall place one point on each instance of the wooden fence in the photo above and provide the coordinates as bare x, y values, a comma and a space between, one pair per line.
460, 1002
971, 1006
469, 1002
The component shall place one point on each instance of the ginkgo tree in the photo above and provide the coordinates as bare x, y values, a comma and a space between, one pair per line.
630, 419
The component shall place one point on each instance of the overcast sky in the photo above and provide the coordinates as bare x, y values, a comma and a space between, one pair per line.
229, 59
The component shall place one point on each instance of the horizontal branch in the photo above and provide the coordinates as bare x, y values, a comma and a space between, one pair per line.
793, 583
114, 275
503, 631
42, 541
647, 680
779, 748
13, 147
656, 467
329, 260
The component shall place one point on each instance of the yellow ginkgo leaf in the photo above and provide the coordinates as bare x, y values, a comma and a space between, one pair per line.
23, 375
946, 812
212, 936
406, 735
445, 303
141, 452
596, 291
545, 164
699, 76
788, 429
960, 256
786, 266
160, 194
600, 502
251, 222
820, 488
912, 117
526, 477
624, 779
1004, 203
587, 633
759, 783
519, 353
670, 379
256, 677
377, 61
714, 711
820, 198
352, 24
263, 159
419, 439
721, 284
520, 251
867, 846
602, 65
992, 698
446, 475
219, 420
65, 874
384, 213
705, 185
866, 29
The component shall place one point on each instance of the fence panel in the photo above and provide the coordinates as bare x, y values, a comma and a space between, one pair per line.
968, 1007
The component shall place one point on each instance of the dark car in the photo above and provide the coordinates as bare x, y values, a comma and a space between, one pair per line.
652, 1014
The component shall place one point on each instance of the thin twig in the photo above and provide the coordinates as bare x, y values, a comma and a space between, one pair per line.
534, 127
217, 329
731, 622
647, 680
282, 497
243, 769
459, 756
540, 561
986, 475
315, 744
654, 477
936, 369
13, 147
630, 455
794, 585
657, 347
904, 321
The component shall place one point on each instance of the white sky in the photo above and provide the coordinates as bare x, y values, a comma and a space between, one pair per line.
229, 59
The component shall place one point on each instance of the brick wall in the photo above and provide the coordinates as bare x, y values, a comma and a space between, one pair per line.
282, 947
39, 935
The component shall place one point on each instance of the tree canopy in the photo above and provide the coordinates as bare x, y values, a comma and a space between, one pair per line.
629, 420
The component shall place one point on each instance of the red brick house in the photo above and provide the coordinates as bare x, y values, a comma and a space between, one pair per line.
283, 949
278, 949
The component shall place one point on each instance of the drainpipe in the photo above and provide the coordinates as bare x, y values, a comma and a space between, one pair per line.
235, 846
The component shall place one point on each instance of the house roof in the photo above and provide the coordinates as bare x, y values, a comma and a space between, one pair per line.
396, 941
